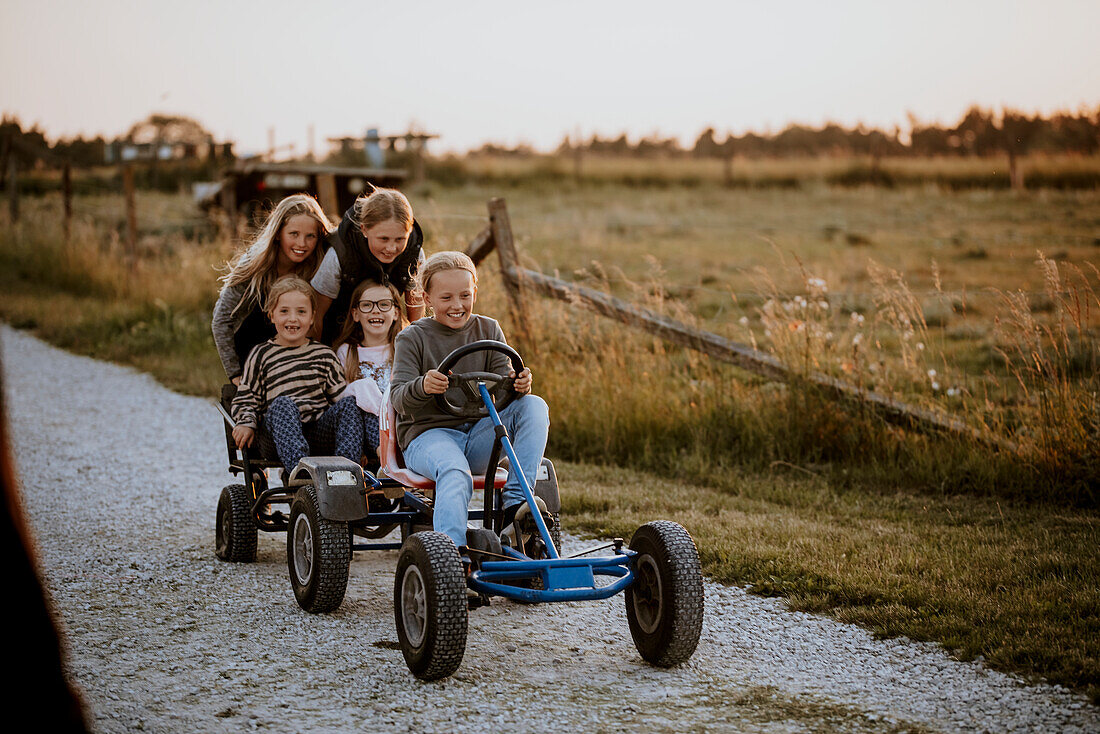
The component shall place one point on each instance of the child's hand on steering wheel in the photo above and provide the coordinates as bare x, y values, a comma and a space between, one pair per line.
523, 380
435, 382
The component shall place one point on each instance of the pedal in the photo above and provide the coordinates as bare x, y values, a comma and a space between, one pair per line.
423, 498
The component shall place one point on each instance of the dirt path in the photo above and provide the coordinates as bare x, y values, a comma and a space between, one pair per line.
121, 477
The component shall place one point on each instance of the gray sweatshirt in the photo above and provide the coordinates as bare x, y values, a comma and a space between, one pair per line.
422, 347
229, 314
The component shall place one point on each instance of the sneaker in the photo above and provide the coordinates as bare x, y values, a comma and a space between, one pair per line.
519, 524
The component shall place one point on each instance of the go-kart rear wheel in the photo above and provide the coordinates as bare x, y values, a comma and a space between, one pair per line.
235, 527
429, 605
318, 552
664, 605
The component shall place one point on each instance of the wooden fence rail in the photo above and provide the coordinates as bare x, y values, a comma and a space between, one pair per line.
519, 280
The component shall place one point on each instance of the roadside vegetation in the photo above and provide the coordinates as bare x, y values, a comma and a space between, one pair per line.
982, 304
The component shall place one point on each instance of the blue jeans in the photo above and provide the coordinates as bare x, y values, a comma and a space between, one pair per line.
450, 456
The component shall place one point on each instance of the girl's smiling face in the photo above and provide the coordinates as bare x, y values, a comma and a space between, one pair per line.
293, 317
297, 239
386, 240
451, 294
369, 315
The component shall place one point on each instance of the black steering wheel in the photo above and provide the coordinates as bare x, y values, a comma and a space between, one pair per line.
501, 388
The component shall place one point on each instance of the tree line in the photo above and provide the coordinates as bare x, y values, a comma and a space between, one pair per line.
980, 132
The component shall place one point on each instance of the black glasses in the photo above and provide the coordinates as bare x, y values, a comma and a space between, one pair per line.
383, 306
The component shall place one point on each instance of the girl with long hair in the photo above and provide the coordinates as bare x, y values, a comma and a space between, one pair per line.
291, 242
365, 349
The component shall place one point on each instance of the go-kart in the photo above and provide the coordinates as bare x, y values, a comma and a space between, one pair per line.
333, 501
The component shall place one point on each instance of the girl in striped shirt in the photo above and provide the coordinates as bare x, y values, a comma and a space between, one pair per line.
294, 386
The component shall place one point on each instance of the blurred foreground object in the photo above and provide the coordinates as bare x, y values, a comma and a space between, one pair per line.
37, 691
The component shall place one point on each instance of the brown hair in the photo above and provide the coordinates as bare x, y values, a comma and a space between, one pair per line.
382, 205
288, 284
256, 264
352, 331
446, 260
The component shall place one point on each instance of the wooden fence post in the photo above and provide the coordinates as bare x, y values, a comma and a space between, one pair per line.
131, 213
481, 245
326, 195
13, 188
67, 199
228, 201
501, 227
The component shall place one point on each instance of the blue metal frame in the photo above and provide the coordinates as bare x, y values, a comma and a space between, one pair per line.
563, 579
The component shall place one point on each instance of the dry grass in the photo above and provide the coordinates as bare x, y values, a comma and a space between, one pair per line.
771, 172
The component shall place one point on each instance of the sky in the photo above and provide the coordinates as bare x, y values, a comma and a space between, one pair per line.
523, 72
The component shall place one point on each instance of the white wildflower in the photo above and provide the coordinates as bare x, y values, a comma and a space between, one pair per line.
744, 320
920, 346
823, 305
935, 386
857, 317
857, 339
932, 374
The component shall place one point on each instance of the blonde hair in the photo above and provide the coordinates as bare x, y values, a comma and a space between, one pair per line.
352, 331
382, 205
256, 264
446, 260
288, 284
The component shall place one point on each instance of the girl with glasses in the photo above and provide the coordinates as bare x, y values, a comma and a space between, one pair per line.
365, 349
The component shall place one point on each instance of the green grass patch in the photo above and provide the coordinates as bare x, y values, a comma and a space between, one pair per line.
1015, 583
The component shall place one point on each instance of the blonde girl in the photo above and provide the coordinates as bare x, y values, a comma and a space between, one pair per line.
365, 349
446, 449
294, 386
377, 239
291, 242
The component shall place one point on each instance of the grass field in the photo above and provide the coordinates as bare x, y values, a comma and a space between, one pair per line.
990, 553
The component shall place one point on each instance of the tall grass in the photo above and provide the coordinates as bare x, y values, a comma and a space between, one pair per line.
150, 308
629, 399
623, 397
1054, 358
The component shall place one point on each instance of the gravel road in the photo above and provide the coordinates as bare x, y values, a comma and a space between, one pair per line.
120, 479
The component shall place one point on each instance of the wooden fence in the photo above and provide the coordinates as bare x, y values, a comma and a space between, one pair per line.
519, 282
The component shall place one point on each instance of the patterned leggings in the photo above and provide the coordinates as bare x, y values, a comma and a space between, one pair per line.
338, 430
370, 430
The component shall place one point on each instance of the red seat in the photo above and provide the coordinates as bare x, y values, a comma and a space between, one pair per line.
393, 463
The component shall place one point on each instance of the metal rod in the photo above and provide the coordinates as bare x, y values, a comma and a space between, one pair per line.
518, 469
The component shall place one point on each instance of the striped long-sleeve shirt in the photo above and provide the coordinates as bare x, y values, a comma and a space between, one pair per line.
310, 374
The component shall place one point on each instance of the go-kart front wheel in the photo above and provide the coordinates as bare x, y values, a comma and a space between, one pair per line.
235, 527
664, 605
429, 605
318, 553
